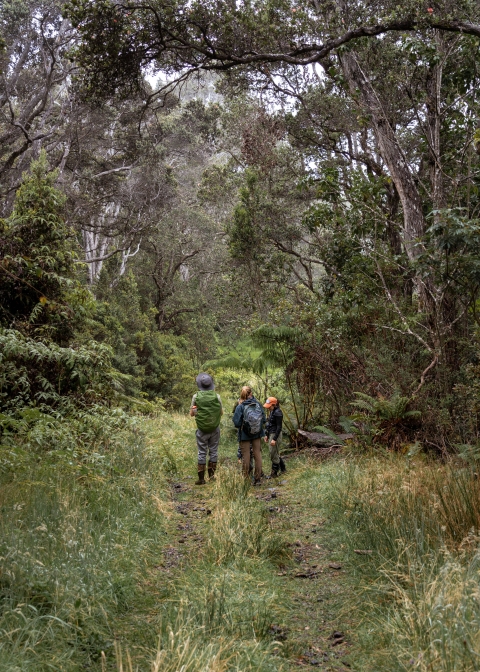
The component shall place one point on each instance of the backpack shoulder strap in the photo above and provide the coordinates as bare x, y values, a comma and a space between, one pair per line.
243, 405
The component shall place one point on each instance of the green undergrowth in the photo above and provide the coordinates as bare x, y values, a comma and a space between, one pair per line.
111, 559
410, 530
87, 522
218, 611
78, 529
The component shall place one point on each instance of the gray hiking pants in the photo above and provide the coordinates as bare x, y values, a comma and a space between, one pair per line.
275, 450
208, 444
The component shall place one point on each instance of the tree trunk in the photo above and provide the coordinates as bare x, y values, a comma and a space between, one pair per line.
433, 105
414, 221
413, 218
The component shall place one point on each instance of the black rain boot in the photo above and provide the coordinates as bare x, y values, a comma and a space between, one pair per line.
212, 466
275, 469
201, 475
283, 466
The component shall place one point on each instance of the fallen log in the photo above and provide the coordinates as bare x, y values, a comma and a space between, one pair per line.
318, 439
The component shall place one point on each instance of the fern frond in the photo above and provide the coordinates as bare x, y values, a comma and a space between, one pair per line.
363, 404
347, 424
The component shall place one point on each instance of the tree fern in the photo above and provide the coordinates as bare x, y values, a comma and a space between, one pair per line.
256, 364
389, 420
387, 409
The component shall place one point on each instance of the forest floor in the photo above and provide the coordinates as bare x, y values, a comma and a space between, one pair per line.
310, 621
316, 628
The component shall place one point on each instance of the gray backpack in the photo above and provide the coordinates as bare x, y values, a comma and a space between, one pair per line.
252, 418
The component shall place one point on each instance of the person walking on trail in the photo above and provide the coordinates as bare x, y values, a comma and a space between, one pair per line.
249, 418
207, 409
274, 435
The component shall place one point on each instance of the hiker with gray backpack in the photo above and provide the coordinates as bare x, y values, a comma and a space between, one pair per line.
207, 409
249, 419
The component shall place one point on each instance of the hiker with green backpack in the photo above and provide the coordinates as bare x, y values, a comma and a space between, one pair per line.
207, 410
249, 419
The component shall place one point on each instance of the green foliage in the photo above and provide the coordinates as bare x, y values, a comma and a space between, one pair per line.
280, 347
320, 236
240, 529
154, 364
228, 381
124, 40
454, 247
46, 374
42, 306
277, 343
238, 363
224, 622
326, 430
387, 421
410, 534
245, 233
40, 293
393, 409
79, 527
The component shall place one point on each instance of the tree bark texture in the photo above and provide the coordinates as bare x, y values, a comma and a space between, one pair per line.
414, 221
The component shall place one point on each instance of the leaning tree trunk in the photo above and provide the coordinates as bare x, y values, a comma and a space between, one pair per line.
392, 154
414, 226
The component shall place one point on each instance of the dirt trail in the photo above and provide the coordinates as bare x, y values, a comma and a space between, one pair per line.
316, 631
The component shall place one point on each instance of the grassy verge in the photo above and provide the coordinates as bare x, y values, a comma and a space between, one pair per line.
78, 529
409, 531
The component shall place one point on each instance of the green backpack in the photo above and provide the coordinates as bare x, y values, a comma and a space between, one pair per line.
209, 411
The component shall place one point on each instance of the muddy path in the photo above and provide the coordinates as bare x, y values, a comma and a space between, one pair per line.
316, 628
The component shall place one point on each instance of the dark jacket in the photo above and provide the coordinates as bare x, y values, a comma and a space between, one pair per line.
238, 420
274, 423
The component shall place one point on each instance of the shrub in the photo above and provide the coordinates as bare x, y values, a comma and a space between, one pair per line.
40, 293
43, 374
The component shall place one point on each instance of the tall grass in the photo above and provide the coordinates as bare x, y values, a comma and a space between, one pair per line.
78, 528
240, 529
416, 527
86, 513
223, 603
208, 626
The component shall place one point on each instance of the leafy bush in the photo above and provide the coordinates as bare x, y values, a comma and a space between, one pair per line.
43, 306
44, 374
155, 364
40, 289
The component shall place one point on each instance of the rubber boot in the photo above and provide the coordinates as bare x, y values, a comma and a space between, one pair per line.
201, 475
212, 466
283, 466
275, 469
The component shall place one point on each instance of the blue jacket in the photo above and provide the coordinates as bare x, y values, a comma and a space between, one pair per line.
238, 420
